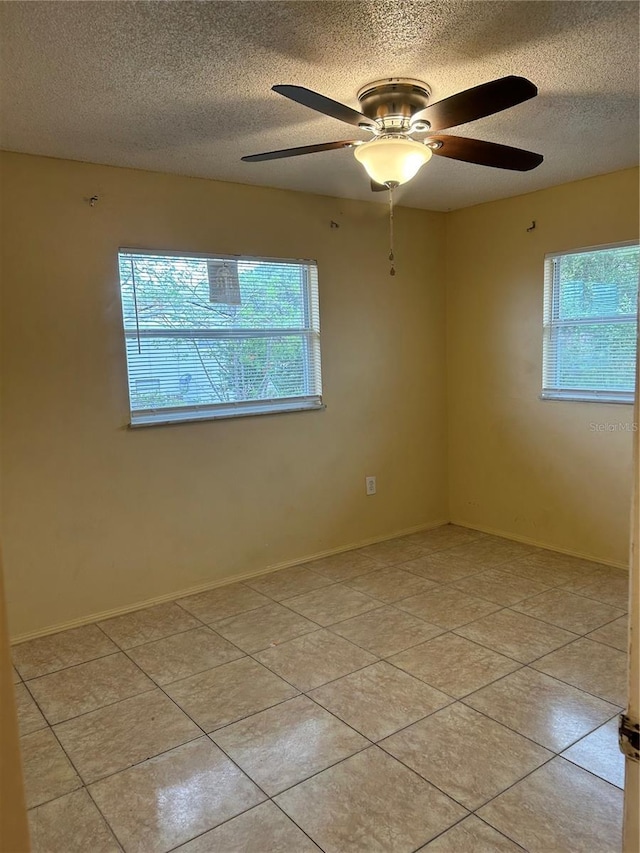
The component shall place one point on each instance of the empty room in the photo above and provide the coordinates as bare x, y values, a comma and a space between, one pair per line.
319, 431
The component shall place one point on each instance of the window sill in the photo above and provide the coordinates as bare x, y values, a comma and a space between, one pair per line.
584, 397
169, 417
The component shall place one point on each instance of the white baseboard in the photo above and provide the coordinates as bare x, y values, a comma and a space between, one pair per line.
171, 596
503, 535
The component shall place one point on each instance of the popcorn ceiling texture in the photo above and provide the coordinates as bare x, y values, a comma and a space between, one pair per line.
184, 87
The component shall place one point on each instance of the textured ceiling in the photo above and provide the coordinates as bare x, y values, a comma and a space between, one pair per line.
185, 86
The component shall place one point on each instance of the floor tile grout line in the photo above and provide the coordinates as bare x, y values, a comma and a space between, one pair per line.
271, 604
528, 737
397, 731
239, 613
195, 672
85, 785
442, 832
324, 683
452, 701
382, 659
115, 651
457, 823
318, 772
540, 672
84, 788
240, 814
247, 716
295, 823
219, 728
522, 666
441, 631
138, 763
544, 764
546, 579
202, 736
69, 759
603, 643
568, 683
500, 832
562, 627
372, 745
379, 605
208, 734
492, 600
498, 609
577, 636
453, 631
211, 625
536, 660
327, 710
455, 699
515, 613
335, 764
423, 778
394, 568
524, 663
586, 769
106, 776
427, 553
329, 581
528, 597
375, 743
512, 785
178, 633
553, 754
599, 600
103, 816
102, 622
100, 707
239, 768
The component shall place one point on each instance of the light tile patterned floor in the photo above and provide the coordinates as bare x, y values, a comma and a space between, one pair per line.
445, 692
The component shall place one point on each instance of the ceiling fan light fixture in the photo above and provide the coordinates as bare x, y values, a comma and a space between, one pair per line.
392, 159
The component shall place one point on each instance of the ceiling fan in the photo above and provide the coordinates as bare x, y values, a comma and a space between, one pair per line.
396, 110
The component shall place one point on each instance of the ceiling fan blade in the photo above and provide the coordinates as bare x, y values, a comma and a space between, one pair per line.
478, 102
486, 153
295, 152
327, 106
378, 188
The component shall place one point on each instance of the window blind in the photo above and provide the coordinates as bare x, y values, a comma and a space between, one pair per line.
590, 324
210, 336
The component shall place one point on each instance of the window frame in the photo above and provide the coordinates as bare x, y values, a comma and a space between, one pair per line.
551, 298
310, 335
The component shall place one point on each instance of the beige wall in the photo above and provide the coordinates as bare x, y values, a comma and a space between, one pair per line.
518, 465
99, 517
14, 833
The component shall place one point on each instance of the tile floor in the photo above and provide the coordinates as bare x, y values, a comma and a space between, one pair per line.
446, 692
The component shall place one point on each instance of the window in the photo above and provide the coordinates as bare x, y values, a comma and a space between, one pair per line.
214, 336
590, 324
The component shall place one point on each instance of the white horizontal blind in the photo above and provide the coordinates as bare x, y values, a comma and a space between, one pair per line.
590, 324
219, 336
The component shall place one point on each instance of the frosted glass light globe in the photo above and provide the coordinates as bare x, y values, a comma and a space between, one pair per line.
392, 159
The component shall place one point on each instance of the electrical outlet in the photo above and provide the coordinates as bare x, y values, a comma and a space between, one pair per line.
370, 483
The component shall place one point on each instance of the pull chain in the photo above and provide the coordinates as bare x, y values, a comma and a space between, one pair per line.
392, 271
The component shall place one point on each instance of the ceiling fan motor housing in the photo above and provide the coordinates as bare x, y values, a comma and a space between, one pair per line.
393, 101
